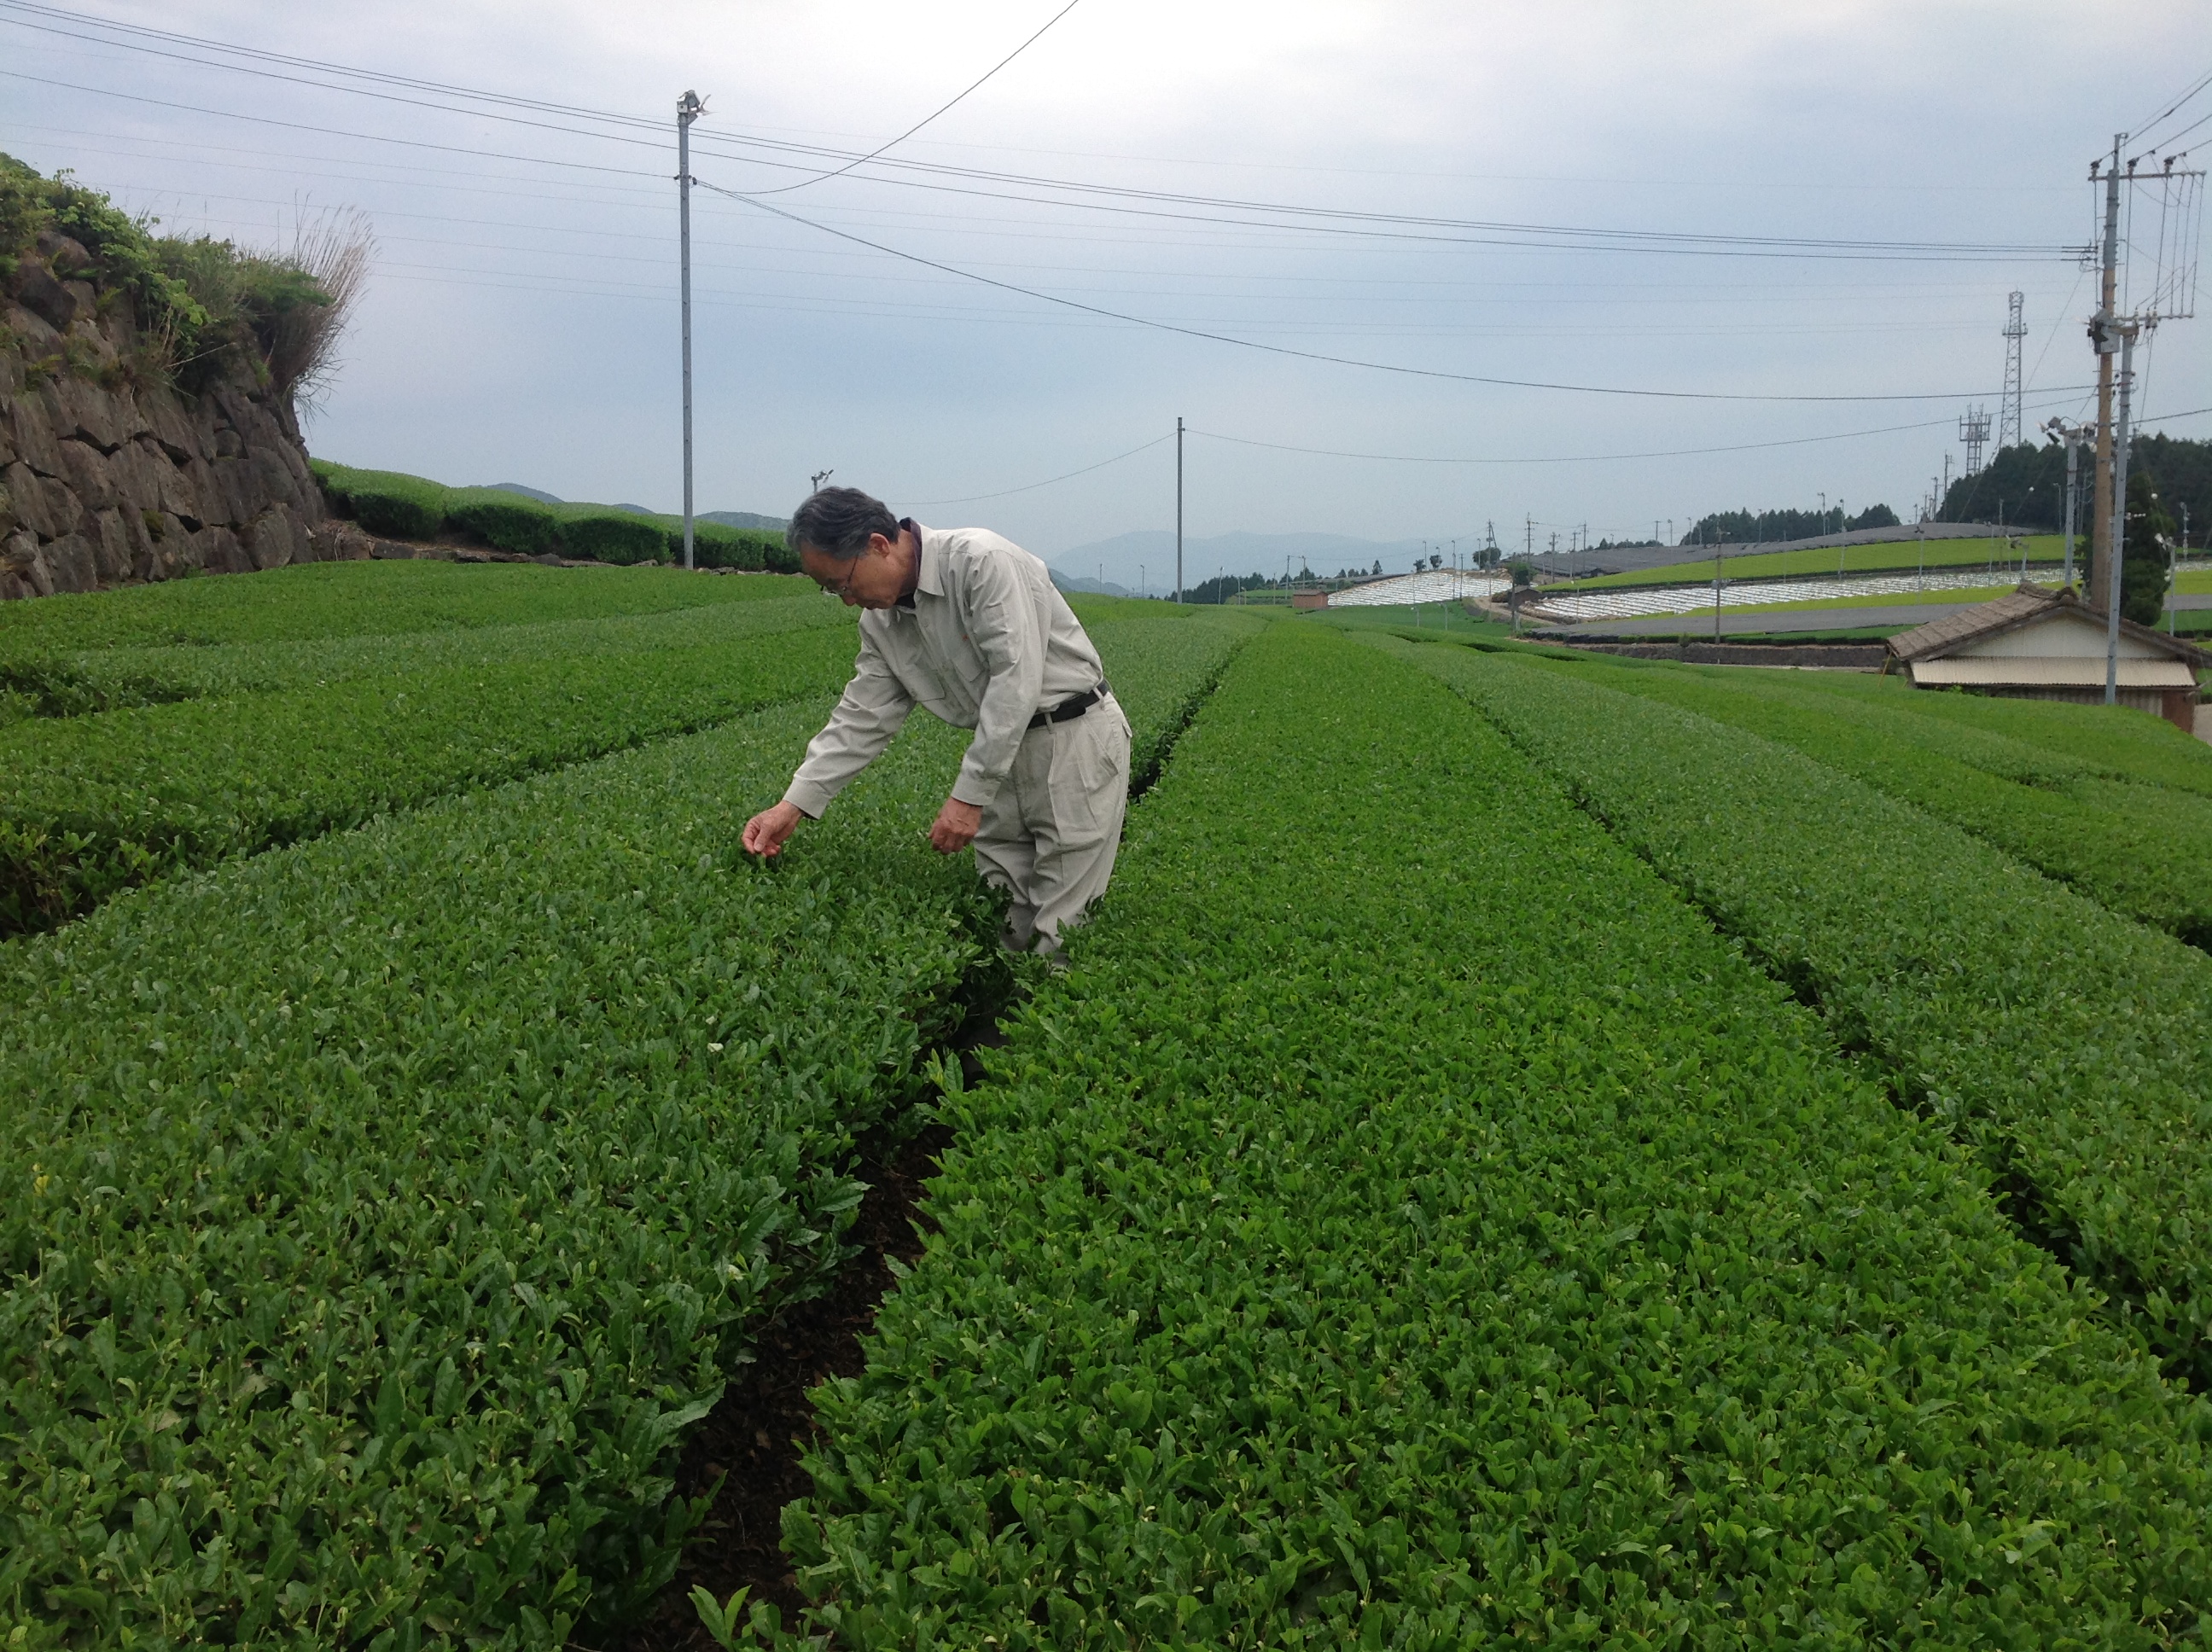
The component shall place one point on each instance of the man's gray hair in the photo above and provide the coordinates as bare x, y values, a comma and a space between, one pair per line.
838, 522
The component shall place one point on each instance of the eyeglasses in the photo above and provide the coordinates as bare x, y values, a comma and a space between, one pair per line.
844, 588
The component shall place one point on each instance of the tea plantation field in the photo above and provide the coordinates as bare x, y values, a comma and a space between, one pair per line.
1531, 1151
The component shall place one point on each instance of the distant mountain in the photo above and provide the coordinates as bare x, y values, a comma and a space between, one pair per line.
1069, 582
727, 518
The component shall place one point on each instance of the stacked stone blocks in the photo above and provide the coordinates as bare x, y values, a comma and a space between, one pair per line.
109, 476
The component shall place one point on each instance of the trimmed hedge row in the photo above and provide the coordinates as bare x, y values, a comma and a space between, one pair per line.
2141, 849
382, 1211
1409, 1225
403, 506
2067, 1044
322, 601
386, 1208
2115, 742
105, 679
96, 805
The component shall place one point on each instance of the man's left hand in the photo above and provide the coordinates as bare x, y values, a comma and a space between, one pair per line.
956, 825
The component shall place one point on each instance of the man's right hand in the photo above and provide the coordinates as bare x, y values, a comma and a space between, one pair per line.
769, 830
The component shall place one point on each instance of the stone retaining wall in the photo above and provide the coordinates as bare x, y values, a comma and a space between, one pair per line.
107, 479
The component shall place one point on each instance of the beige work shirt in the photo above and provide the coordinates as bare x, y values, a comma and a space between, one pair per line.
987, 643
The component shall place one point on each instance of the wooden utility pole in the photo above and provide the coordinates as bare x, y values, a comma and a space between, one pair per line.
2107, 344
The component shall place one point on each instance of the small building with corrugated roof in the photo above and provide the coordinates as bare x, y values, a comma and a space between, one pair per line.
2040, 644
2049, 644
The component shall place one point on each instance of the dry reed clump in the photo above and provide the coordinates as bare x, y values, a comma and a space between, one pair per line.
335, 251
198, 300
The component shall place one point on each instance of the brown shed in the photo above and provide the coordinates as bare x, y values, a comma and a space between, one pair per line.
2041, 644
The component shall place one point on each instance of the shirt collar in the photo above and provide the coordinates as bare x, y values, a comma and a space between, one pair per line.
930, 576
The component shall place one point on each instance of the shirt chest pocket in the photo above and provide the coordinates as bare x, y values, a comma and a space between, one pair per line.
954, 670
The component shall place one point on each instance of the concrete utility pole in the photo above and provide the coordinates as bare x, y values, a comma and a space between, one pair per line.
2115, 556
1178, 508
2075, 436
1716, 591
2105, 342
688, 108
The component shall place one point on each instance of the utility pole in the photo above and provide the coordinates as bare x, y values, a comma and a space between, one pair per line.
1178, 508
2075, 436
2009, 403
2173, 577
688, 108
2115, 556
2102, 339
1716, 590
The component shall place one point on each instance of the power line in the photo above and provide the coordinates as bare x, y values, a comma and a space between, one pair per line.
1316, 219
1421, 458
1313, 355
1590, 458
926, 119
1031, 487
330, 132
258, 54
355, 91
2142, 129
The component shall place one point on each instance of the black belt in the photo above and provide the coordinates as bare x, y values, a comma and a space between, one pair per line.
1071, 708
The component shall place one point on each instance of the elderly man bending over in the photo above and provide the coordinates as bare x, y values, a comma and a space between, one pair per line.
970, 626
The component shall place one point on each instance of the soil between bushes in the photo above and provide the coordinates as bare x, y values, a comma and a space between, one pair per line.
756, 1435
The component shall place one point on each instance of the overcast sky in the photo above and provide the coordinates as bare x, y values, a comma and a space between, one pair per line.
521, 323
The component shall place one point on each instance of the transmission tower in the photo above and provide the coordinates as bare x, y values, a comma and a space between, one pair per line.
2008, 407
1974, 431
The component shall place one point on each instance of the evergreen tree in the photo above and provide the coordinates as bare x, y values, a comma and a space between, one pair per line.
2150, 539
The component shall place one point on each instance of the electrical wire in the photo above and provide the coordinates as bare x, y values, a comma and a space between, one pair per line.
258, 54
875, 153
1409, 227
2143, 129
1316, 355
1031, 487
2184, 132
1587, 458
331, 132
1419, 459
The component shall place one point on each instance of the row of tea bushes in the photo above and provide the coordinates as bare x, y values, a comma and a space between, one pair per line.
2139, 848
2116, 742
383, 1208
407, 506
98, 803
1408, 1224
321, 601
89, 681
386, 1207
2070, 1045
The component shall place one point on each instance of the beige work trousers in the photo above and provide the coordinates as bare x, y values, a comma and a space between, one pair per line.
1049, 835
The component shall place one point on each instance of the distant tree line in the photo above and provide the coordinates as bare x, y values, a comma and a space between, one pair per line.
1748, 527
2025, 486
